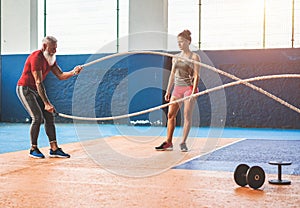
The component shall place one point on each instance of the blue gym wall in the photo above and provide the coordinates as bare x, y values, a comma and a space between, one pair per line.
249, 108
245, 107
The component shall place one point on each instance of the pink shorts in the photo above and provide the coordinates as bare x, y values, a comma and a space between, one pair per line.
183, 91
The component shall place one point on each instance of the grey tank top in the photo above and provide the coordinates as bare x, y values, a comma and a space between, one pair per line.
184, 72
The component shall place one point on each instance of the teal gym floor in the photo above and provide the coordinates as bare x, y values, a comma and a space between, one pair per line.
257, 147
200, 180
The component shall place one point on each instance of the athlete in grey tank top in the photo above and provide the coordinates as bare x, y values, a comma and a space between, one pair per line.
184, 72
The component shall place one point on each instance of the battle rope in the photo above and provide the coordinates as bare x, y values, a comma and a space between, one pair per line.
238, 82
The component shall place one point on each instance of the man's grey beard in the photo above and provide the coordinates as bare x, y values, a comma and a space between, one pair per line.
50, 58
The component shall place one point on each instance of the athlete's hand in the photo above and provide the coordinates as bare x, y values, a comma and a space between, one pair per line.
50, 108
167, 96
77, 69
192, 99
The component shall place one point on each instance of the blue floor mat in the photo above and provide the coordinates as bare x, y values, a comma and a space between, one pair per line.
251, 152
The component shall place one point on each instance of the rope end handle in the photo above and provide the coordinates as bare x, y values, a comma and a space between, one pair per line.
55, 114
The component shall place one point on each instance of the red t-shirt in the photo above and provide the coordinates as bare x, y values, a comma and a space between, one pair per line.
35, 62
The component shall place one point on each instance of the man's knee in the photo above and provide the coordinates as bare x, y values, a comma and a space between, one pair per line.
37, 119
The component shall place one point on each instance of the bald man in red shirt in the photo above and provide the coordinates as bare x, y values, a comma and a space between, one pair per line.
32, 94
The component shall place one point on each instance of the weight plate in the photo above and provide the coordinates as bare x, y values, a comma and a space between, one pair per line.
240, 174
255, 177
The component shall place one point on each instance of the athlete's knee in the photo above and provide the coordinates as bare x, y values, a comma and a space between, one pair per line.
188, 116
171, 115
37, 119
49, 120
187, 121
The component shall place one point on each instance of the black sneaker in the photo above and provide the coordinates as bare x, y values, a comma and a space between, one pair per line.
165, 146
36, 153
58, 153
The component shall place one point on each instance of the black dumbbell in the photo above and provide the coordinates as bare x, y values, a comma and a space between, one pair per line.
254, 176
279, 181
